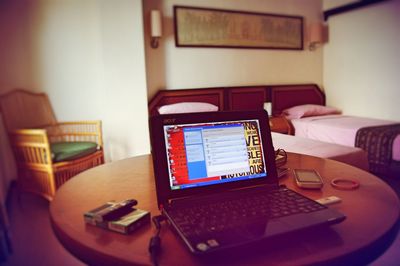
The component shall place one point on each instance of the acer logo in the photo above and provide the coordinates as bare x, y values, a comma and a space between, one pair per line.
171, 120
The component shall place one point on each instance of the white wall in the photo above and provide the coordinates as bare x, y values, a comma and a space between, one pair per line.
89, 57
169, 67
362, 62
125, 98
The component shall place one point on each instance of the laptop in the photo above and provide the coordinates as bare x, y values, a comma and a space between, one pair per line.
217, 184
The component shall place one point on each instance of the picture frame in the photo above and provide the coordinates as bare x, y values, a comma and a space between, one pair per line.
220, 28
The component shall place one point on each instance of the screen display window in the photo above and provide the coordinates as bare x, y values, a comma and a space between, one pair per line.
207, 154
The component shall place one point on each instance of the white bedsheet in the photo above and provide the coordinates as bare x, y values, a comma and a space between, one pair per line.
350, 155
339, 129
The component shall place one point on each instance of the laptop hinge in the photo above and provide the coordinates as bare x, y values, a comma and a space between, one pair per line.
221, 194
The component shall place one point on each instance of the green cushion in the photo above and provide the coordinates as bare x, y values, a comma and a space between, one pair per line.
64, 151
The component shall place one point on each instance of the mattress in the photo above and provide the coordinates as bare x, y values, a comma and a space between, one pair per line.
349, 155
339, 129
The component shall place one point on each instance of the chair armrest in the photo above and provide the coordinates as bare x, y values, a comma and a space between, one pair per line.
76, 131
31, 146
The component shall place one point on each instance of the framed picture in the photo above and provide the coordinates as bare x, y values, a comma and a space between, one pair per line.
203, 27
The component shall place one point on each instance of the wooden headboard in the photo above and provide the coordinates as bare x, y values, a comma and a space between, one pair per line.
243, 97
286, 96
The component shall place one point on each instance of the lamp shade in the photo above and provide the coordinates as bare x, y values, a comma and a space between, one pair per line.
268, 108
155, 21
316, 33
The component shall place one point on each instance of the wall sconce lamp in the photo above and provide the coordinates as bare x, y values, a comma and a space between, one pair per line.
156, 27
316, 32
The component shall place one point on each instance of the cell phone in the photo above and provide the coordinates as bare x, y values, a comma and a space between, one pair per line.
308, 178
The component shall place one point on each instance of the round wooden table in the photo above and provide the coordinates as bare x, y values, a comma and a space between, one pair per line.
372, 213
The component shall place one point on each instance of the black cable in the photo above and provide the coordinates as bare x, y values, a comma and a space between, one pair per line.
155, 241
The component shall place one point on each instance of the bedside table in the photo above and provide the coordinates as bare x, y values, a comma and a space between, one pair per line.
280, 124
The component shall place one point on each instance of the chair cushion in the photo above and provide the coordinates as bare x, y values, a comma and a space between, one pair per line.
64, 151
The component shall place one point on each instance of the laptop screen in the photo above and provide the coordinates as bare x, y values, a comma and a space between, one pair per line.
213, 153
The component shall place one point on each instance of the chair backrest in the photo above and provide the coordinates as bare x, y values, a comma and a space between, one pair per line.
25, 109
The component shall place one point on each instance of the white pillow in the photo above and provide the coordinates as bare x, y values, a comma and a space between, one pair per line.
306, 110
187, 107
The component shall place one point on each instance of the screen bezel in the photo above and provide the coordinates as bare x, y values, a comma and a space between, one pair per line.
165, 193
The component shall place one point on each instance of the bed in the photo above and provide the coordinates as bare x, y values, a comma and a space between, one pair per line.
350, 155
311, 119
253, 98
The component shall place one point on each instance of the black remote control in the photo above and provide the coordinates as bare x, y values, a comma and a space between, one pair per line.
116, 211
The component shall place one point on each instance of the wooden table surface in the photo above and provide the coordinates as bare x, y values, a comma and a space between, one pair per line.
372, 220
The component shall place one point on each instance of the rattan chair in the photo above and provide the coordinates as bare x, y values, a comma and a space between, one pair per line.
32, 129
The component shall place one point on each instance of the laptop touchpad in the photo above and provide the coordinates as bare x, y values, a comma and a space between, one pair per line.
261, 229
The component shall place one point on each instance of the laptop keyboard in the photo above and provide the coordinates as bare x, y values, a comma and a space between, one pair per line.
209, 217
